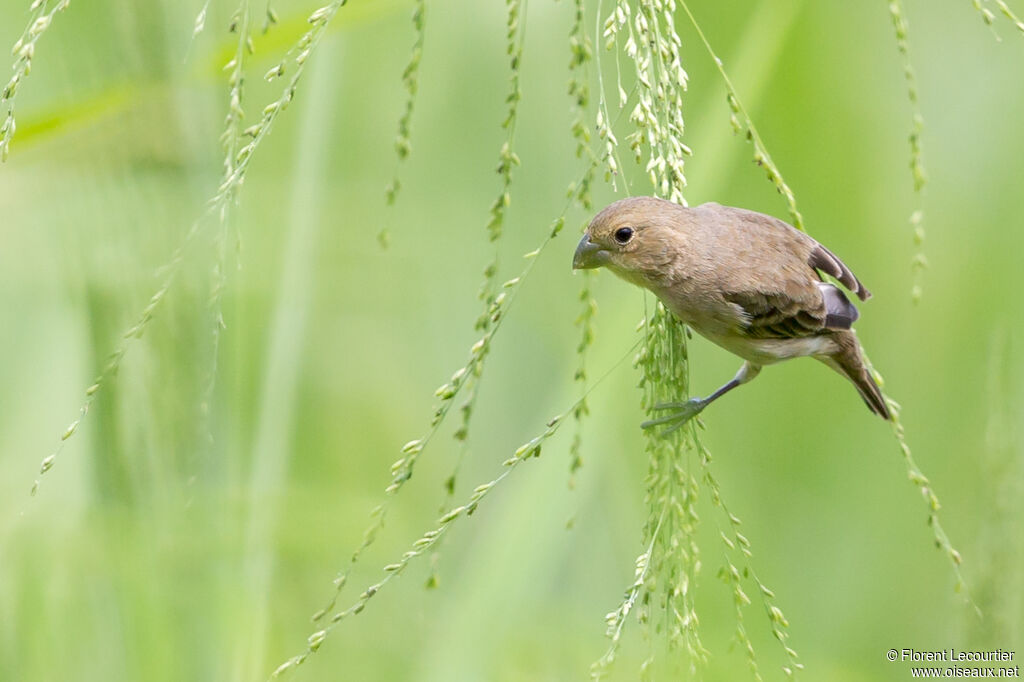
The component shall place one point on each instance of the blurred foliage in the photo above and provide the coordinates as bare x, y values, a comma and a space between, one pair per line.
176, 542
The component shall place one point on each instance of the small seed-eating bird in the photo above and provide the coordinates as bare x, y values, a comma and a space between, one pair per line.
746, 281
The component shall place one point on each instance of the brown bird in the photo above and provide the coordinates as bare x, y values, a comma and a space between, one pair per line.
746, 281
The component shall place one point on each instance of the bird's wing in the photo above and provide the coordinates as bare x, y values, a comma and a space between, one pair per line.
778, 315
824, 260
800, 312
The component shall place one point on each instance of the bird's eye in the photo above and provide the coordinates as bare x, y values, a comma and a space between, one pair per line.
623, 234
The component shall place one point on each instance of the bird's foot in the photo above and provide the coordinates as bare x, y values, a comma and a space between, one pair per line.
684, 412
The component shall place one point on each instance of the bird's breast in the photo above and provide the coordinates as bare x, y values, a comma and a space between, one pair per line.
704, 310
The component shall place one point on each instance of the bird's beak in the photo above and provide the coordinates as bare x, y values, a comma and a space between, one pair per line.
588, 255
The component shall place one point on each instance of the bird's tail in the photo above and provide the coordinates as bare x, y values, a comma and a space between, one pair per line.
849, 361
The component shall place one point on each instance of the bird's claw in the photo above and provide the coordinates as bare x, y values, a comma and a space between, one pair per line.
685, 411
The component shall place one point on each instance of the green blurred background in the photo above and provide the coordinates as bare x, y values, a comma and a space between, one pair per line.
165, 546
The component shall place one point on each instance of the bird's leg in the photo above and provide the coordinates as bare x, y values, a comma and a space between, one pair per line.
685, 411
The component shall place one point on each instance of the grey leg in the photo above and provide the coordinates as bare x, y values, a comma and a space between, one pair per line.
685, 411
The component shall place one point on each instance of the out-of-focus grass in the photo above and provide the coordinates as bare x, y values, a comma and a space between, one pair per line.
133, 562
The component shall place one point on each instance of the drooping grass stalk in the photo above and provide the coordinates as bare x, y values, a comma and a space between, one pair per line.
666, 572
585, 321
671, 565
765, 32
989, 17
410, 80
231, 141
113, 363
507, 160
530, 449
742, 123
603, 124
738, 549
731, 576
920, 176
24, 50
616, 620
915, 475
295, 60
515, 35
581, 55
671, 485
232, 135
277, 417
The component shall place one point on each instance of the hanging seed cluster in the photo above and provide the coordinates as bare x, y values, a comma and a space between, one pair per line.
645, 32
989, 17
917, 169
581, 56
616, 620
672, 490
491, 295
652, 44
24, 51
917, 477
230, 140
410, 82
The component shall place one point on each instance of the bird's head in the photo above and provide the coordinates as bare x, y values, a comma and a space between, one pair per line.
636, 238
